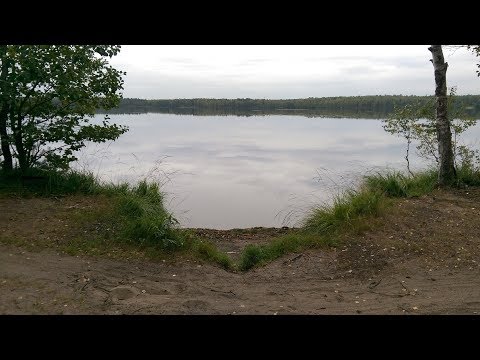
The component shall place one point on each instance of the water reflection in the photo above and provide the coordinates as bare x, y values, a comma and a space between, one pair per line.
227, 171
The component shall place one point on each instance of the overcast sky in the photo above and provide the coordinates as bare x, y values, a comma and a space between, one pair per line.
275, 72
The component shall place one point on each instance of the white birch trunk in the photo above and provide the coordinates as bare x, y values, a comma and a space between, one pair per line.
446, 171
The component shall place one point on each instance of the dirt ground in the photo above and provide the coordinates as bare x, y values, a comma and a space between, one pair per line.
422, 258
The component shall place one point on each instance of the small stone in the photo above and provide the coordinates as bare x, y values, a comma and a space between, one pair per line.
174, 275
415, 308
143, 291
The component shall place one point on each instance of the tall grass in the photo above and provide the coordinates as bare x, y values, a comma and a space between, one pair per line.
345, 210
469, 176
395, 184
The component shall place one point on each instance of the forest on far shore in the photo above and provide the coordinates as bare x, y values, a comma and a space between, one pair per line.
377, 106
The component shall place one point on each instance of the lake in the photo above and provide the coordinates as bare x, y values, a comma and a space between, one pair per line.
235, 172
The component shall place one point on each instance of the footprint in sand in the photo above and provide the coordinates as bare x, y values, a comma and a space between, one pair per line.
123, 293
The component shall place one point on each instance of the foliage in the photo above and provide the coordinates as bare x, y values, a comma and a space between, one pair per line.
378, 106
48, 95
418, 122
469, 168
476, 50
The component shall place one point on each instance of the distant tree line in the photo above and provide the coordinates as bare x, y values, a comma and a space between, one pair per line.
346, 106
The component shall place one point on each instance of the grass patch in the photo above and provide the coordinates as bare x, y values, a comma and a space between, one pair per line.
468, 176
209, 252
257, 255
131, 220
347, 209
38, 182
397, 185
353, 211
125, 217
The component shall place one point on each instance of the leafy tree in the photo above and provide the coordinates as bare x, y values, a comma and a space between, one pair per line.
48, 95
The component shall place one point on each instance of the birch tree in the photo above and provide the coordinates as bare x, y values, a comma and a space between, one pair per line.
446, 170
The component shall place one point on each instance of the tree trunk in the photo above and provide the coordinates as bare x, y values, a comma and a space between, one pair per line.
21, 153
5, 145
446, 171
7, 154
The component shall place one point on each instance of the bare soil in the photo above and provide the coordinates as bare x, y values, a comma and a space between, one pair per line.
421, 257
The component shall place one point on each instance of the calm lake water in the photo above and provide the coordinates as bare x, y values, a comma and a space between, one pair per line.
234, 172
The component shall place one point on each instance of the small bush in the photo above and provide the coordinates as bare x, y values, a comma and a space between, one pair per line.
252, 255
